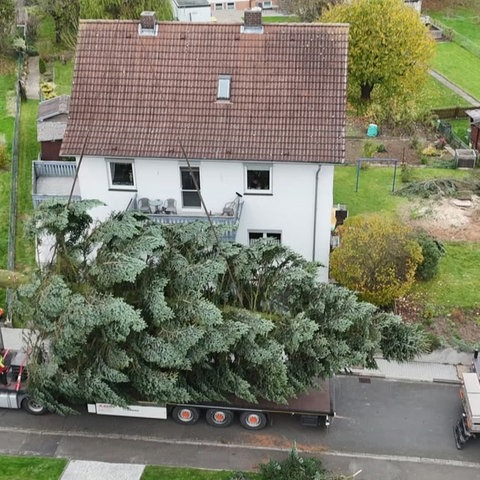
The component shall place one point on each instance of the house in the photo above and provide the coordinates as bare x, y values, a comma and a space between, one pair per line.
416, 4
191, 10
242, 5
51, 123
253, 115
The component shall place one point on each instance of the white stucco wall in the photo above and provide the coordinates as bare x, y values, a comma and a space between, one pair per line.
288, 210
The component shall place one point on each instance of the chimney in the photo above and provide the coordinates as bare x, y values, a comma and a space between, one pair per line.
148, 24
252, 21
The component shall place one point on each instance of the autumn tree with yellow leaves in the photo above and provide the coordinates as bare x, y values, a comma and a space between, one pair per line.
377, 258
390, 51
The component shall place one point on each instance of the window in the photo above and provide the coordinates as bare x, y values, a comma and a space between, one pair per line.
258, 179
230, 6
190, 197
219, 6
223, 90
121, 174
269, 236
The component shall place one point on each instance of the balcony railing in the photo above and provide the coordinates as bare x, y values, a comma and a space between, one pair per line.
230, 219
53, 180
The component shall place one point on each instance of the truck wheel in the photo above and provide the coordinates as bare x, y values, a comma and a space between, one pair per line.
253, 420
186, 415
33, 407
219, 418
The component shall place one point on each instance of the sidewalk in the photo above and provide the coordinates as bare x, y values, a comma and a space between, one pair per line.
439, 366
82, 470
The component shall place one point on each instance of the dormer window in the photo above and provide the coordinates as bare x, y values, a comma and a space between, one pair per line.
223, 90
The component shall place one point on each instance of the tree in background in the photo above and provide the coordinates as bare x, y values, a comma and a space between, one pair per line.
377, 258
120, 9
66, 13
306, 10
129, 309
7, 24
389, 54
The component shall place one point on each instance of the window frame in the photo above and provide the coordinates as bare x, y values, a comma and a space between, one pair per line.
121, 186
224, 83
186, 169
265, 234
259, 168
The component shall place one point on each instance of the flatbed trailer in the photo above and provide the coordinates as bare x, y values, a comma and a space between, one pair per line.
315, 408
469, 424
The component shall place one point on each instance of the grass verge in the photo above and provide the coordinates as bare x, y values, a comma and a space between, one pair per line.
28, 151
170, 473
31, 468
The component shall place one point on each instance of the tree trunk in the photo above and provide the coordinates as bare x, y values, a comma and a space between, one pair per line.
366, 89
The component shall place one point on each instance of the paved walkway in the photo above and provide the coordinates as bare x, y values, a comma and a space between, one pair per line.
33, 79
459, 91
82, 470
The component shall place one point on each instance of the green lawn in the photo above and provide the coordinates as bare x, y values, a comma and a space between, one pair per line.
458, 282
168, 473
438, 95
375, 187
7, 120
460, 127
31, 468
464, 21
63, 77
280, 19
459, 66
28, 151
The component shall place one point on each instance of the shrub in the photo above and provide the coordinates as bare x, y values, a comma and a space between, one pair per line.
377, 257
48, 90
406, 173
369, 149
432, 252
41, 66
239, 476
294, 467
31, 51
4, 157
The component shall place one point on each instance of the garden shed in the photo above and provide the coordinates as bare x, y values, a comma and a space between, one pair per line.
474, 116
51, 124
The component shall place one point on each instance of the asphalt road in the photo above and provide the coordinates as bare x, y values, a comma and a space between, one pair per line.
390, 430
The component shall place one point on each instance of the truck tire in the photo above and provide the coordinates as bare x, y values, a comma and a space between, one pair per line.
217, 417
185, 415
33, 407
253, 420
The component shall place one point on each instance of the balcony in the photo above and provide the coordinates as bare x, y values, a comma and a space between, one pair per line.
52, 180
230, 216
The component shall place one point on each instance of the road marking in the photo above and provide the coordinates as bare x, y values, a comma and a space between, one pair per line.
202, 443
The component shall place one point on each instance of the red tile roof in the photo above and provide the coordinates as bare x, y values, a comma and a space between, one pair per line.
144, 96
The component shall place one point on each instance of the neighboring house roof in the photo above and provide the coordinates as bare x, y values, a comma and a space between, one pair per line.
147, 96
192, 3
52, 118
474, 115
53, 107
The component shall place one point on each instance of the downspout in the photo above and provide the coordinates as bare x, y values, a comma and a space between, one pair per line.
314, 240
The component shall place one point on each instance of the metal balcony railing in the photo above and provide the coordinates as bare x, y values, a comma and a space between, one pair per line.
53, 180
